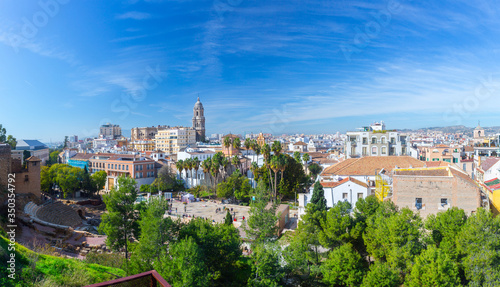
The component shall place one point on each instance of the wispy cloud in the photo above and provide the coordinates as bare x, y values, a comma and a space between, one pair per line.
135, 15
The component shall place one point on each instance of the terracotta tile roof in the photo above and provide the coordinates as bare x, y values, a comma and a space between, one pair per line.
33, 158
337, 183
442, 145
300, 143
437, 163
465, 177
489, 162
368, 165
423, 172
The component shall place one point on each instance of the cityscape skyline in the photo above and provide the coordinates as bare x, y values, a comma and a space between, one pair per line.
316, 68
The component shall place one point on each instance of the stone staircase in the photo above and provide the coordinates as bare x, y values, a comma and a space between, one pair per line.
57, 213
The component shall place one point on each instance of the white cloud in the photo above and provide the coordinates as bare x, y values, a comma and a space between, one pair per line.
135, 15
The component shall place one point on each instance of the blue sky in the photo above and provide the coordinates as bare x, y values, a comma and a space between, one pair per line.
301, 66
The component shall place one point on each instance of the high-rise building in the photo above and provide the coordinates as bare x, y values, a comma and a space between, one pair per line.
199, 121
110, 131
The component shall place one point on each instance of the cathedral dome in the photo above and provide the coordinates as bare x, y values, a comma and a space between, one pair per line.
198, 104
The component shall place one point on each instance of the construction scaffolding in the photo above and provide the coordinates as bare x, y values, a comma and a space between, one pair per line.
382, 186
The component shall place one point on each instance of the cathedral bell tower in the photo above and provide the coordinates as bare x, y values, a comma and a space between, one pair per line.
199, 121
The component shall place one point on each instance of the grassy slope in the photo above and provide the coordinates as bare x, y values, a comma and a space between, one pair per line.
57, 269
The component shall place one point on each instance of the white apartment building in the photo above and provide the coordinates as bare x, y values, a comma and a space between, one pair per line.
375, 140
172, 140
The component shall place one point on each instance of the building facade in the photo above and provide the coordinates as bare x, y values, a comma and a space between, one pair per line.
375, 140
110, 131
172, 140
199, 121
142, 169
36, 148
431, 190
145, 133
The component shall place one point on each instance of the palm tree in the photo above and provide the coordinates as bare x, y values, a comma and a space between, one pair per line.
276, 148
228, 142
187, 167
283, 163
257, 151
247, 144
237, 143
180, 166
196, 165
215, 166
253, 167
306, 158
275, 166
207, 163
296, 156
235, 160
225, 164
266, 152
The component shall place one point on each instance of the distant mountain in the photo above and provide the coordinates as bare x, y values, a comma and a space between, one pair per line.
455, 129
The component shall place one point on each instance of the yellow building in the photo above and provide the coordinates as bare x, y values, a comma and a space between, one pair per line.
171, 141
142, 145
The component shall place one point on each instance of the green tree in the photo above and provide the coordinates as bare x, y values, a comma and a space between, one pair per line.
8, 139
296, 258
216, 242
306, 157
158, 233
336, 229
235, 186
479, 247
315, 169
297, 156
381, 275
186, 266
229, 219
120, 222
433, 268
344, 267
395, 237
445, 228
98, 179
266, 270
318, 197
237, 143
365, 208
262, 219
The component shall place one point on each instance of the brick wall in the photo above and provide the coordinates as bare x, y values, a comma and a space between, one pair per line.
457, 191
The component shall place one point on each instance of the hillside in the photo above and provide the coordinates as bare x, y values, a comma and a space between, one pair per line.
47, 270
455, 129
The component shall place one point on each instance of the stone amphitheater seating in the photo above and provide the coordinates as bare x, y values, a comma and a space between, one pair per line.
58, 213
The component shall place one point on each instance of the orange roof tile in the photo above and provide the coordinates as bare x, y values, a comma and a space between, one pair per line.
368, 165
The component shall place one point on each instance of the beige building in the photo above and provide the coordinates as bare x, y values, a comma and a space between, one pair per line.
142, 145
431, 190
172, 140
146, 133
110, 131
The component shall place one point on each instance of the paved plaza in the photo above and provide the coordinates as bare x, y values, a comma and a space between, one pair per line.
207, 209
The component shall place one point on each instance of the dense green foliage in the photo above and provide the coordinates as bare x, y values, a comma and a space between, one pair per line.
70, 179
236, 186
8, 139
36, 269
120, 222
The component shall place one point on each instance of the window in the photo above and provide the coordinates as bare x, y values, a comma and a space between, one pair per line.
127, 167
393, 140
365, 141
382, 140
384, 150
374, 150
360, 195
374, 140
444, 201
344, 195
418, 203
465, 167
